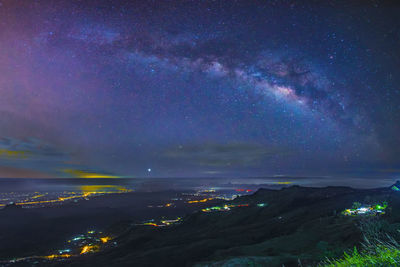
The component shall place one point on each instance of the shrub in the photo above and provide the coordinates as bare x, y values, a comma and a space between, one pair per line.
383, 255
378, 249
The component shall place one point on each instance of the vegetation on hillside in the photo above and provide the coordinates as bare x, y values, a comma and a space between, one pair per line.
378, 249
383, 255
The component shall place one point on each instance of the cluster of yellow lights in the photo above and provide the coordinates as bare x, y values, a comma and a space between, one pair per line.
105, 239
89, 248
208, 191
85, 174
55, 256
39, 202
283, 182
60, 199
103, 189
169, 222
87, 191
84, 250
201, 200
152, 224
37, 196
163, 222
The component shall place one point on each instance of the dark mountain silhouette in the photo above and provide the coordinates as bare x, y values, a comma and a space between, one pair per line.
294, 224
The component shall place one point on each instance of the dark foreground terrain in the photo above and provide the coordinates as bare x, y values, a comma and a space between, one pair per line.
295, 226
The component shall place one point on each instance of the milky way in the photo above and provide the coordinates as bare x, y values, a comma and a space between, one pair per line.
199, 88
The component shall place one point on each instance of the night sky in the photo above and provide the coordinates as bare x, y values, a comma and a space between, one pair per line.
199, 88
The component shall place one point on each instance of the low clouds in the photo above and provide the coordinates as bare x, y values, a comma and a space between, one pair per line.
31, 149
12, 172
29, 157
223, 155
32, 157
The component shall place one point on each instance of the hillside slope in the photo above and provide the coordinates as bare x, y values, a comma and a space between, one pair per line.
293, 224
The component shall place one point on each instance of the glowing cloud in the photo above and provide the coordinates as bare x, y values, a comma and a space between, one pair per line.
13, 153
85, 174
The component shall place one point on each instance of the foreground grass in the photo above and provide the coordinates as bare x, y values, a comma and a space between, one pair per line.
382, 255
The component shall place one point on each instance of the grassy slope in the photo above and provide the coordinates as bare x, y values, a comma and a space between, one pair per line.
382, 256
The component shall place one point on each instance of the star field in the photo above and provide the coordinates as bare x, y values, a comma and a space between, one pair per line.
199, 88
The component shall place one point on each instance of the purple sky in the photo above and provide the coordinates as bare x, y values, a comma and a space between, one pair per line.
202, 88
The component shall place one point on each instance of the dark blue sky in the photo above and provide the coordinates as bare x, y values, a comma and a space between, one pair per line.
199, 88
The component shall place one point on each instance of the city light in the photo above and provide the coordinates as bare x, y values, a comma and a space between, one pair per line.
370, 210
55, 256
84, 192
89, 248
201, 200
105, 239
223, 208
